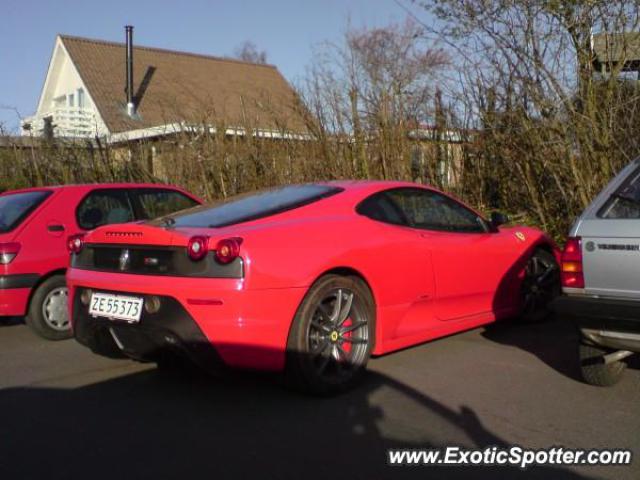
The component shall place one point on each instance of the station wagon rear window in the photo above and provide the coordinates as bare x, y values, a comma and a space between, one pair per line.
624, 203
16, 207
247, 207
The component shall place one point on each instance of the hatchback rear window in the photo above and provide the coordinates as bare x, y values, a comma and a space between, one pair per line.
247, 207
16, 207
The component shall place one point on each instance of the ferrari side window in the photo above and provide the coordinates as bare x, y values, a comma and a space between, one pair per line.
429, 210
381, 208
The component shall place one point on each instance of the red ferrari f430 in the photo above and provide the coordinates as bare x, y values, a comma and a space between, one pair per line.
310, 280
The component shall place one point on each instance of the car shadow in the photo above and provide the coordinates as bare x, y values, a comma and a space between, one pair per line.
552, 341
11, 321
189, 425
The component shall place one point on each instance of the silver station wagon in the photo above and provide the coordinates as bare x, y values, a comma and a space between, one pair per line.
601, 279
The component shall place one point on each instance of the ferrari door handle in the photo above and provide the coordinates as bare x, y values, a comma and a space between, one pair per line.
55, 228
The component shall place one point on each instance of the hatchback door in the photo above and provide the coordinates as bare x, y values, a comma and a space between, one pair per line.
610, 233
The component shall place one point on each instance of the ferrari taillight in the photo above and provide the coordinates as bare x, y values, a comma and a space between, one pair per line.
8, 252
198, 247
572, 274
228, 250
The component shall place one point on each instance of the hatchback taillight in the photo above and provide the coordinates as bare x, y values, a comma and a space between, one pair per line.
572, 274
8, 252
75, 243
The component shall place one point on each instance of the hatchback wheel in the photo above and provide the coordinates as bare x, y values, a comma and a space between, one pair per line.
541, 285
593, 369
332, 336
48, 314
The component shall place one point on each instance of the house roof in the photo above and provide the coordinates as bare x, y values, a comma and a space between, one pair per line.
173, 87
612, 48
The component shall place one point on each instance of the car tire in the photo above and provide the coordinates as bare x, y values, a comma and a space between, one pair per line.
540, 286
594, 371
331, 340
48, 315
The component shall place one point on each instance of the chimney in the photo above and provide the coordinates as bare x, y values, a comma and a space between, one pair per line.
131, 106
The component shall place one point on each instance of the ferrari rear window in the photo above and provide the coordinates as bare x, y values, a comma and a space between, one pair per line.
15, 207
247, 207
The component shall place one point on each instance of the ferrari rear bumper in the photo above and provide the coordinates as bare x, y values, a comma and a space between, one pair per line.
171, 330
212, 321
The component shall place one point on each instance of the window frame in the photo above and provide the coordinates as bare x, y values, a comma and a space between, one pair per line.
80, 96
138, 209
102, 190
484, 224
608, 203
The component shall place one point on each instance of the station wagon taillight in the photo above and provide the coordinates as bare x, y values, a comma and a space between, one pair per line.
8, 252
572, 274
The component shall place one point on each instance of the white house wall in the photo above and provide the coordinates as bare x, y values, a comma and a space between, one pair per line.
63, 79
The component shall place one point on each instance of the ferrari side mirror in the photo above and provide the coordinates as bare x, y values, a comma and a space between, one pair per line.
498, 218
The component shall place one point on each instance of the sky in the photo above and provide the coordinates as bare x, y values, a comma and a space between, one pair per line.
287, 29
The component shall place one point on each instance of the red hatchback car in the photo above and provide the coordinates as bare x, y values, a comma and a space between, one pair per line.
307, 279
36, 225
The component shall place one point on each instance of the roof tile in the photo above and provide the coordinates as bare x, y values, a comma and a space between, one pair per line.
183, 87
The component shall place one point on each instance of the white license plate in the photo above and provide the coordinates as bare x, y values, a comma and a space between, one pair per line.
117, 307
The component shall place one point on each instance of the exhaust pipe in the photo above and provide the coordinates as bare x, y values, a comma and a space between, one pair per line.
131, 107
116, 339
616, 356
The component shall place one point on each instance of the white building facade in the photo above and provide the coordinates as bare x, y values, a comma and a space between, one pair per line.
66, 101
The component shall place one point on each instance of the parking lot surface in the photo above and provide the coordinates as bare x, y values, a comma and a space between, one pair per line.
66, 413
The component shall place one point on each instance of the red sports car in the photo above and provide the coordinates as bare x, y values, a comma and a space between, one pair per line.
307, 279
35, 227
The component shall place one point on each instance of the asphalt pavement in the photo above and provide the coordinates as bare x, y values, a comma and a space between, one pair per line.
66, 413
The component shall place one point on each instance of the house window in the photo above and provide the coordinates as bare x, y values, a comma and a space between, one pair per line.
70, 99
80, 94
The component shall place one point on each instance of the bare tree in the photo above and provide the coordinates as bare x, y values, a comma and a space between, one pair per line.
249, 52
372, 89
551, 130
